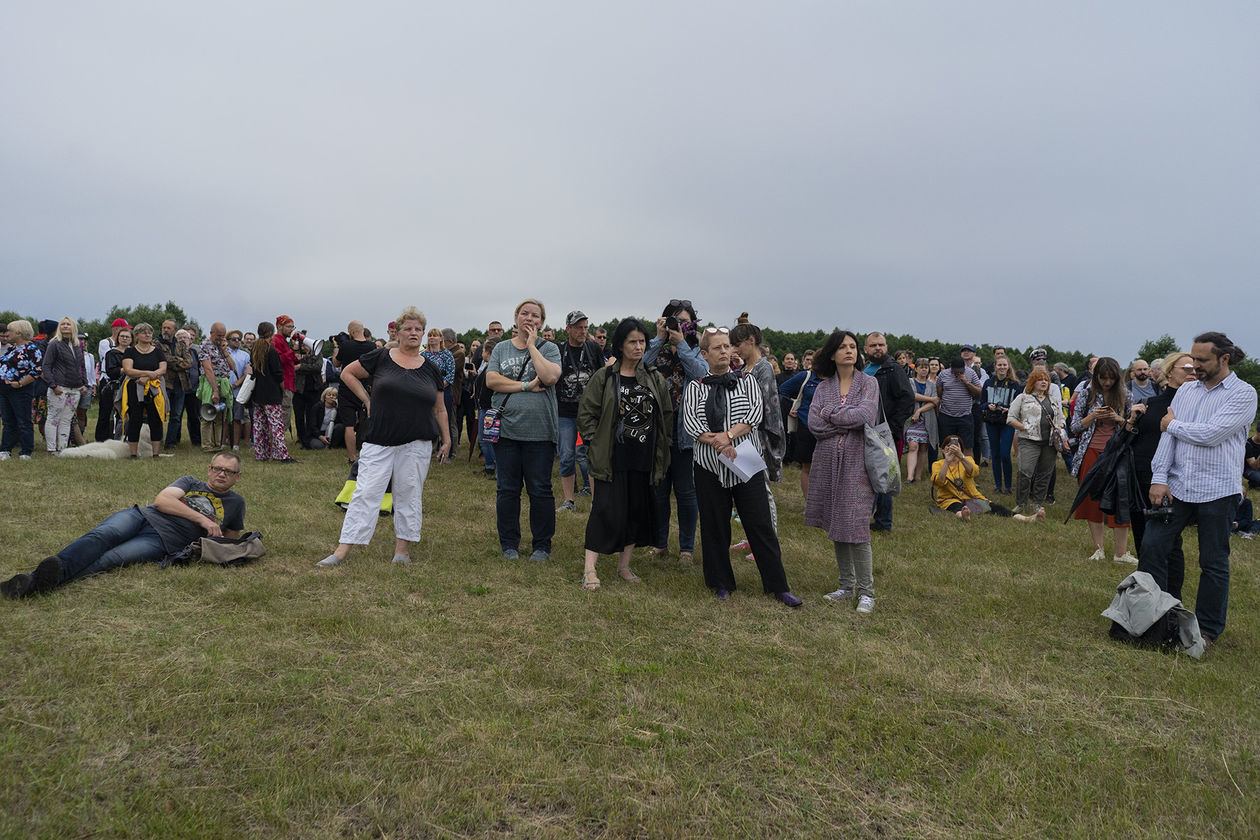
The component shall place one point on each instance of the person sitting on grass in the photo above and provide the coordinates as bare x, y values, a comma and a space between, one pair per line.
182, 513
954, 486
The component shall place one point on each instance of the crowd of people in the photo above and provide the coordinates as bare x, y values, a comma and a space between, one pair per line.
706, 415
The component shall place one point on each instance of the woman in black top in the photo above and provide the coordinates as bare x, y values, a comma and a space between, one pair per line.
405, 416
269, 443
144, 365
626, 418
109, 392
1144, 422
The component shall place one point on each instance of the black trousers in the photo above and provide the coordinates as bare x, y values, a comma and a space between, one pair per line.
753, 504
305, 404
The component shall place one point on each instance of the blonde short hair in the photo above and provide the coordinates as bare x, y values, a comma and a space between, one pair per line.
324, 396
21, 329
542, 310
411, 314
1170, 361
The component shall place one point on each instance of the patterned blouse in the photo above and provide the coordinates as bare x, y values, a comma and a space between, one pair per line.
445, 361
23, 360
743, 405
1084, 405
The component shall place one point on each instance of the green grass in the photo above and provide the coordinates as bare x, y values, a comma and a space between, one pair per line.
464, 695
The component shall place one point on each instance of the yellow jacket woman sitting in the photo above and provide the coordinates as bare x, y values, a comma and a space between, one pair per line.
954, 486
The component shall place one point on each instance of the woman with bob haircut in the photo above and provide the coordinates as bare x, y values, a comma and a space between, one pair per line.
523, 372
840, 496
405, 416
626, 418
1100, 409
1034, 415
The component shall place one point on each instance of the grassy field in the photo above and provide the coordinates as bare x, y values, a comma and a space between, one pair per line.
468, 696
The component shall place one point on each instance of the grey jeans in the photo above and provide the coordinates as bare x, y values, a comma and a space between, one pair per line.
1036, 465
854, 561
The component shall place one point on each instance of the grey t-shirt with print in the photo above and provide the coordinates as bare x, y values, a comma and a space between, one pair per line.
529, 416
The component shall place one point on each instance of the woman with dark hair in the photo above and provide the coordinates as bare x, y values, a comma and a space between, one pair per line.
144, 395
1100, 409
840, 498
268, 395
109, 394
799, 391
999, 392
626, 418
675, 354
722, 411
1034, 415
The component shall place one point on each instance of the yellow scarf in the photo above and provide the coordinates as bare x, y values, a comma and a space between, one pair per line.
153, 385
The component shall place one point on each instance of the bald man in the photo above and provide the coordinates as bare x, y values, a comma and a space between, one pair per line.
217, 368
348, 406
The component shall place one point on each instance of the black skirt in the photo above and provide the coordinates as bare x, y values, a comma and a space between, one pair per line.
623, 513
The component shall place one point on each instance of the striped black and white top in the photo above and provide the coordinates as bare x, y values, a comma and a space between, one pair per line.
743, 405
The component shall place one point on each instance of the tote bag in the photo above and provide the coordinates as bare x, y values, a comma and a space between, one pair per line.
879, 451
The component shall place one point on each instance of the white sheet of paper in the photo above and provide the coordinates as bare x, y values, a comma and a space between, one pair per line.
747, 461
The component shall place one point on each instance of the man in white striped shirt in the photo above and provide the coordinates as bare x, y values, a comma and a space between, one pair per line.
1197, 470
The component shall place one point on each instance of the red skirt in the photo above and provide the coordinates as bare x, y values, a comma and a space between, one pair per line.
1089, 510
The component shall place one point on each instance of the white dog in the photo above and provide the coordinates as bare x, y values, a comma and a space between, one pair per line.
110, 450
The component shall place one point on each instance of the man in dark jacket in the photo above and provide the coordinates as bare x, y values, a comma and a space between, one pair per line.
897, 397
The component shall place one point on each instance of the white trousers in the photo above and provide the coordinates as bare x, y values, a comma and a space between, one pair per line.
60, 416
407, 465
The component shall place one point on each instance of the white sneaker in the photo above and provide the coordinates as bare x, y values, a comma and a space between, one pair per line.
24, 457
1127, 557
866, 605
839, 595
1098, 555
4, 456
328, 562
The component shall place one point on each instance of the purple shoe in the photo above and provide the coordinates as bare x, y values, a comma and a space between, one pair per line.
789, 599
722, 594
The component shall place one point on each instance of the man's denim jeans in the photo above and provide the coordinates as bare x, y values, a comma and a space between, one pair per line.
122, 539
680, 478
570, 452
1215, 520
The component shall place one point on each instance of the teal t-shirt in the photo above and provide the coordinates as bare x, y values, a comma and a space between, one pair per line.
530, 416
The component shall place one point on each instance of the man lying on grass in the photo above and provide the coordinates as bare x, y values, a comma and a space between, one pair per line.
182, 513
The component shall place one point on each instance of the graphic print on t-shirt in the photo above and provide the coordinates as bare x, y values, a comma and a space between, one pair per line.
635, 407
205, 503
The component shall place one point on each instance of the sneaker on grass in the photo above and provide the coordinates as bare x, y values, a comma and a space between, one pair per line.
866, 605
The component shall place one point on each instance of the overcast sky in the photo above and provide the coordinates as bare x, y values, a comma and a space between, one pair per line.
1081, 174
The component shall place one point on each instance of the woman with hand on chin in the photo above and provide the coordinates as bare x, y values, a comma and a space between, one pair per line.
523, 373
721, 411
398, 437
626, 418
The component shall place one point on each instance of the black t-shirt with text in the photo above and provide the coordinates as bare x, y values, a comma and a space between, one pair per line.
634, 440
577, 365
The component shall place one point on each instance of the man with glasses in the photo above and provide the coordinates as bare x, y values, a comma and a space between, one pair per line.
495, 331
1197, 475
181, 514
240, 369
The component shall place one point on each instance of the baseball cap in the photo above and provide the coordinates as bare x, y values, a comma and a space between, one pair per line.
120, 322
575, 316
968, 347
1039, 353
